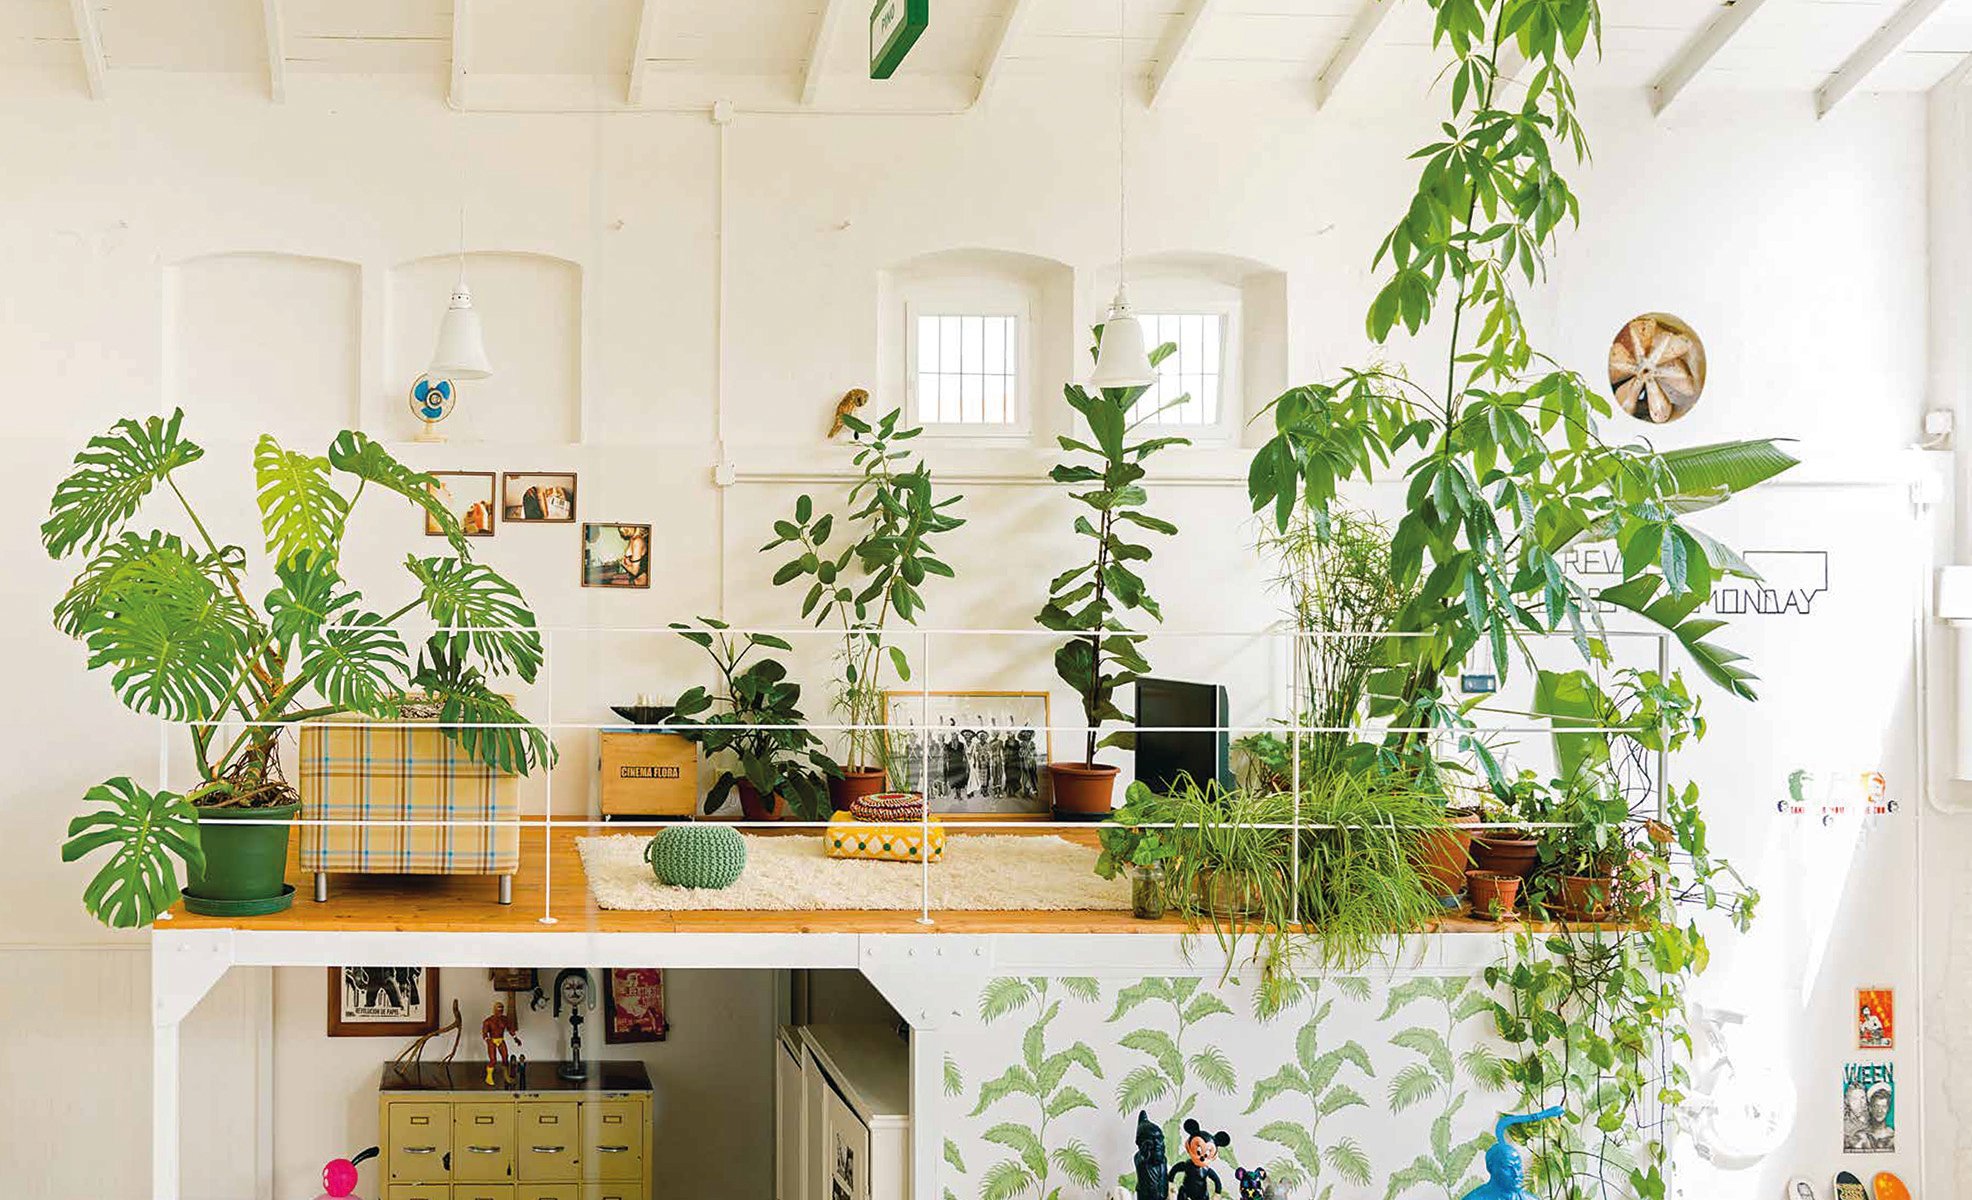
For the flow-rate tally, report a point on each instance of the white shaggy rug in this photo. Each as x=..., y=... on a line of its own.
x=980, y=872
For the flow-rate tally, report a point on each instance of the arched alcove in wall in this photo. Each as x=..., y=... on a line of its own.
x=259, y=342
x=530, y=306
x=1039, y=291
x=1249, y=296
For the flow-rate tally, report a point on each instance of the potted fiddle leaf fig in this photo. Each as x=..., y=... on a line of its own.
x=173, y=619
x=855, y=584
x=1090, y=600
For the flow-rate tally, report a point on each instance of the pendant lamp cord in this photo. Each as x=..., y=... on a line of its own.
x=462, y=241
x=1122, y=153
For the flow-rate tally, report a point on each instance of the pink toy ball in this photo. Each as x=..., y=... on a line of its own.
x=339, y=1177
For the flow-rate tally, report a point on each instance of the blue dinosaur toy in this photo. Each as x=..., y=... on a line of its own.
x=1506, y=1173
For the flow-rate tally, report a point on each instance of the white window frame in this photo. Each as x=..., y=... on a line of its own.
x=1154, y=297
x=983, y=297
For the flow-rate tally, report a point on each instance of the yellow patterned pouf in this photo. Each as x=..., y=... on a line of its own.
x=849, y=838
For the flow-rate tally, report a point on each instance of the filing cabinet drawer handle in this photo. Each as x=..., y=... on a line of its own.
x=548, y=1149
x=420, y=1149
x=614, y=1149
x=483, y=1149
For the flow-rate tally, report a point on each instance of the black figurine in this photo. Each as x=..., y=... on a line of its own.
x=1197, y=1179
x=1253, y=1184
x=574, y=990
x=1153, y=1180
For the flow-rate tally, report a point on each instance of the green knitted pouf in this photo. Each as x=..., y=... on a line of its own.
x=697, y=856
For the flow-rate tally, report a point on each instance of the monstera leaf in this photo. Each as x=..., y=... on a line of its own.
x=308, y=597
x=299, y=508
x=484, y=723
x=358, y=662
x=146, y=830
x=114, y=474
x=357, y=454
x=119, y=564
x=173, y=635
x=476, y=606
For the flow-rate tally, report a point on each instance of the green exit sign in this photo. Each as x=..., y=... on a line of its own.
x=894, y=29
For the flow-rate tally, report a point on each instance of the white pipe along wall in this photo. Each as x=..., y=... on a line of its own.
x=678, y=296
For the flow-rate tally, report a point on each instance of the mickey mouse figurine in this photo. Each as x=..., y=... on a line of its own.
x=1253, y=1184
x=1193, y=1173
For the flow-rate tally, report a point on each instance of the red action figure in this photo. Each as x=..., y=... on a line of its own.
x=494, y=1031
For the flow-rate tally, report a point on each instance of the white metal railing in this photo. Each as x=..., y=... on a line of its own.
x=1293, y=728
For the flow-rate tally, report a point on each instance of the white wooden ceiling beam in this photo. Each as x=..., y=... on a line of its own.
x=461, y=55
x=89, y=39
x=277, y=54
x=1873, y=53
x=641, y=56
x=1180, y=46
x=1697, y=54
x=1011, y=18
x=834, y=13
x=1368, y=19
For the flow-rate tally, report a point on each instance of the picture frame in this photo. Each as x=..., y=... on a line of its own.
x=551, y=496
x=1003, y=778
x=1876, y=1019
x=382, y=1001
x=615, y=554
x=634, y=1005
x=471, y=500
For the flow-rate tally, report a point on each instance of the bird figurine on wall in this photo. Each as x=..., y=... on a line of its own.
x=852, y=400
x=1153, y=1175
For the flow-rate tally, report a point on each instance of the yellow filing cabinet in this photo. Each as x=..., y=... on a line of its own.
x=448, y=1135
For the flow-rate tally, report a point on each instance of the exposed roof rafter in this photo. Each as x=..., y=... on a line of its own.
x=461, y=54
x=1697, y=54
x=834, y=12
x=640, y=58
x=1011, y=18
x=1182, y=43
x=277, y=54
x=1368, y=19
x=89, y=39
x=1872, y=54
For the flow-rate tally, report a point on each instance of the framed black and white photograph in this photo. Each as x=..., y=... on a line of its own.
x=987, y=752
x=537, y=497
x=468, y=496
x=615, y=556
x=382, y=1001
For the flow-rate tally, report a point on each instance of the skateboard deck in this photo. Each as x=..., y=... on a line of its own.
x=1889, y=1187
x=1848, y=1187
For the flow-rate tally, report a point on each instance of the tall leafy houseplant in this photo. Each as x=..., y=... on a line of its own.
x=753, y=719
x=172, y=618
x=875, y=575
x=1091, y=600
x=1507, y=468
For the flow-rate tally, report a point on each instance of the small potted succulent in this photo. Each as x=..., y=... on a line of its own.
x=770, y=759
x=1090, y=600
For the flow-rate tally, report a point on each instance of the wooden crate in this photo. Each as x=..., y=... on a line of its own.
x=648, y=775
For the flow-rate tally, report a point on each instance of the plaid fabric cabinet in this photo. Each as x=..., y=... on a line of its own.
x=352, y=770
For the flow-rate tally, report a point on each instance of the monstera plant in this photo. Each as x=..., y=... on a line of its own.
x=171, y=616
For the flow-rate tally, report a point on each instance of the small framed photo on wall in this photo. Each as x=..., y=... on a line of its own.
x=615, y=556
x=382, y=1001
x=1876, y=1019
x=635, y=1010
x=537, y=497
x=468, y=496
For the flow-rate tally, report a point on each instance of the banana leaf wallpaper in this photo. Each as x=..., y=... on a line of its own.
x=1354, y=1086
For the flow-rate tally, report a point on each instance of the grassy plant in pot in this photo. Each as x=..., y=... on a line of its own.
x=1133, y=841
x=170, y=616
x=874, y=575
x=1092, y=599
x=752, y=728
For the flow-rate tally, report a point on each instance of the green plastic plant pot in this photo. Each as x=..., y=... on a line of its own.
x=245, y=863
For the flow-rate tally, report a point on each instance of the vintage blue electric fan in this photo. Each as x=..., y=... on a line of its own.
x=432, y=400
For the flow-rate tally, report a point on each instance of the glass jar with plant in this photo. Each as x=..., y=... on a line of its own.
x=751, y=726
x=1092, y=599
x=893, y=513
x=171, y=616
x=1132, y=841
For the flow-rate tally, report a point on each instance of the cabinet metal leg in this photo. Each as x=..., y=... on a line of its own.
x=321, y=887
x=506, y=889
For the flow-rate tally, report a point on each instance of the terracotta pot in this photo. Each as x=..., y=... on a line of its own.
x=753, y=808
x=856, y=783
x=1506, y=851
x=1588, y=897
x=1493, y=893
x=1444, y=858
x=1082, y=791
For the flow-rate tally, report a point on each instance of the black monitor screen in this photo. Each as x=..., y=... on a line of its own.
x=1181, y=731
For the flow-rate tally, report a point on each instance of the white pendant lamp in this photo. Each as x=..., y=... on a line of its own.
x=1121, y=359
x=461, y=349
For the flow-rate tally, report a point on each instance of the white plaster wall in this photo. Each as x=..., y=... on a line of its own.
x=1798, y=247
